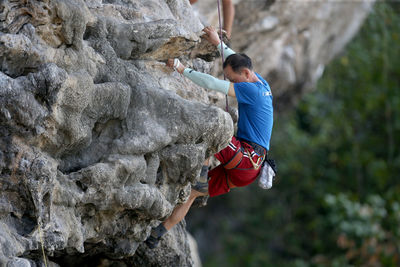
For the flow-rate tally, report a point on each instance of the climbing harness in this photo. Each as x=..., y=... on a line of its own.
x=237, y=158
x=222, y=50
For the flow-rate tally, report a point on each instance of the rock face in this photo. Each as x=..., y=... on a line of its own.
x=99, y=141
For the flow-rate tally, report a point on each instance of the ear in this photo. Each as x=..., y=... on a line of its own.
x=247, y=73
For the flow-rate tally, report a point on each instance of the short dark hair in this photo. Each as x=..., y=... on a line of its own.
x=238, y=62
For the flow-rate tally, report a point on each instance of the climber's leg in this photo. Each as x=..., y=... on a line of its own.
x=198, y=190
x=202, y=181
x=155, y=236
x=177, y=215
x=180, y=211
x=202, y=186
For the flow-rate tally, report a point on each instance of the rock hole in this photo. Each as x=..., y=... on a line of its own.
x=24, y=225
x=81, y=186
x=88, y=32
x=160, y=176
x=269, y=3
x=67, y=170
x=46, y=199
x=199, y=141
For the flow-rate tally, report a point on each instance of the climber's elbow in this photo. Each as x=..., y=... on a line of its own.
x=221, y=86
x=231, y=90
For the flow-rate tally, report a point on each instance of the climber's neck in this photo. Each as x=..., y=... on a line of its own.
x=254, y=77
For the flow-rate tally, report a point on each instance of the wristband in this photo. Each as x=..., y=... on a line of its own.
x=177, y=63
x=227, y=50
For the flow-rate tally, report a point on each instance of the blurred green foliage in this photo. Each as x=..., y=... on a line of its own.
x=336, y=201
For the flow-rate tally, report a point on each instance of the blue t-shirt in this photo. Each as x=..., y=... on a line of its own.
x=255, y=111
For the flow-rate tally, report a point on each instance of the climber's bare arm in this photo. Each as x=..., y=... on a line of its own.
x=211, y=35
x=202, y=79
x=229, y=14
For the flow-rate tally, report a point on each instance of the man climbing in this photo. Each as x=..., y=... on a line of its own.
x=228, y=11
x=242, y=158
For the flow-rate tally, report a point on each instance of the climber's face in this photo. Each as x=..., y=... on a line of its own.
x=244, y=75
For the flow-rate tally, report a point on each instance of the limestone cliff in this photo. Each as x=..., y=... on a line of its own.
x=99, y=140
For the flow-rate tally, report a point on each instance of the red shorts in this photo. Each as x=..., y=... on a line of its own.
x=242, y=175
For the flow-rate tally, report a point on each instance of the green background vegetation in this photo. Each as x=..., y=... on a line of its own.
x=336, y=201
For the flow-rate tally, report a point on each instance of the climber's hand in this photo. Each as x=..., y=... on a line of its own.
x=211, y=35
x=176, y=64
x=170, y=63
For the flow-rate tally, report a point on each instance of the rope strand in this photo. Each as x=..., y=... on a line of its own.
x=222, y=48
x=42, y=243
